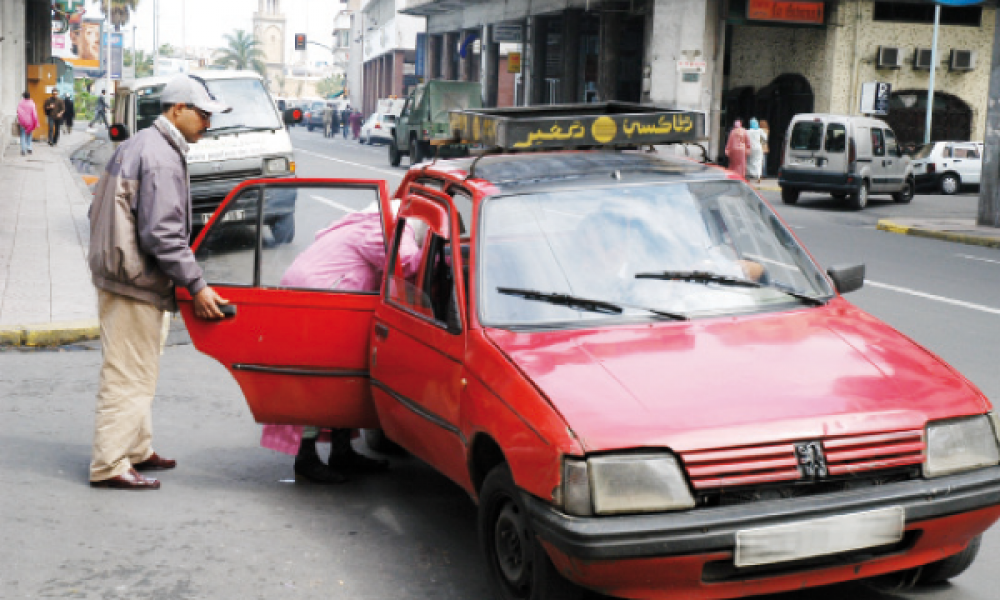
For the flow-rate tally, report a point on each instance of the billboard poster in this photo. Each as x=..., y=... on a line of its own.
x=80, y=46
x=117, y=45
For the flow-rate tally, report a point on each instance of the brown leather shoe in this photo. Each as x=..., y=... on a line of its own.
x=155, y=462
x=129, y=480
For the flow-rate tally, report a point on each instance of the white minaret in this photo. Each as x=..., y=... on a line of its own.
x=269, y=29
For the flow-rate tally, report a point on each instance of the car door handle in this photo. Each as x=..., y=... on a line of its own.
x=228, y=310
x=381, y=331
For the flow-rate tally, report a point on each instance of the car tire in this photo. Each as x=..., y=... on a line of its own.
x=377, y=440
x=950, y=183
x=789, y=195
x=951, y=567
x=416, y=152
x=906, y=194
x=859, y=199
x=394, y=158
x=517, y=563
x=283, y=229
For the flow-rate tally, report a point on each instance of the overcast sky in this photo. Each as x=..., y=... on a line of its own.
x=208, y=20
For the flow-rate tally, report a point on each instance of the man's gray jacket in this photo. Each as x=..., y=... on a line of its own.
x=140, y=221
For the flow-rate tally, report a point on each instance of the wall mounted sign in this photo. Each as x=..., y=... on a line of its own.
x=806, y=13
x=507, y=32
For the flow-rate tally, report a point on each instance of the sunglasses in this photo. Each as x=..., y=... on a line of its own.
x=204, y=115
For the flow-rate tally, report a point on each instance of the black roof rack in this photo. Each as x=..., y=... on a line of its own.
x=573, y=126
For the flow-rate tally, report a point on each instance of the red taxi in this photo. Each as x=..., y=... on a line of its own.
x=633, y=367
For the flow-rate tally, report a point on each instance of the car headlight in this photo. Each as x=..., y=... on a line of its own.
x=961, y=444
x=627, y=483
x=275, y=166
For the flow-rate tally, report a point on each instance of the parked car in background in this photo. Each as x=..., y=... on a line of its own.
x=377, y=129
x=313, y=115
x=947, y=166
x=847, y=157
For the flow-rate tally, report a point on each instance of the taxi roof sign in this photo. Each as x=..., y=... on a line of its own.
x=570, y=126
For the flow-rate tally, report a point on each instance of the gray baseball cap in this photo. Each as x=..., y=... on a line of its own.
x=189, y=89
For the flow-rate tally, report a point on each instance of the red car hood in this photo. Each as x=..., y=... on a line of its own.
x=716, y=383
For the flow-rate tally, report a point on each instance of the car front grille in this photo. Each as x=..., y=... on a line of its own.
x=734, y=475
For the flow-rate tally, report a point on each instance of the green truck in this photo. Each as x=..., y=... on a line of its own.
x=425, y=118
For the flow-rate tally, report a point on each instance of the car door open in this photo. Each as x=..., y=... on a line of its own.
x=298, y=335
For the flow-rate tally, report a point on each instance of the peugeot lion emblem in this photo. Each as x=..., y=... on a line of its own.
x=812, y=460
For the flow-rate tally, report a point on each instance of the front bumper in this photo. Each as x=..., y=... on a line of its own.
x=711, y=530
x=816, y=180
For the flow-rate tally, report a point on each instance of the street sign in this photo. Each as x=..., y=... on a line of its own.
x=875, y=98
x=421, y=56
x=514, y=62
x=507, y=32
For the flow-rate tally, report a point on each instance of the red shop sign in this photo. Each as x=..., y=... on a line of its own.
x=789, y=12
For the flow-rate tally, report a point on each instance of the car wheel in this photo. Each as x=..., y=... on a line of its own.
x=393, y=154
x=416, y=152
x=950, y=183
x=859, y=199
x=283, y=229
x=906, y=194
x=951, y=567
x=789, y=195
x=518, y=565
x=379, y=442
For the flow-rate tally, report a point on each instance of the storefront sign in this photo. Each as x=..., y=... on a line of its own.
x=875, y=98
x=514, y=62
x=507, y=32
x=807, y=13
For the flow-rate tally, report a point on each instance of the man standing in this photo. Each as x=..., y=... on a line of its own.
x=70, y=113
x=345, y=117
x=99, y=111
x=54, y=109
x=140, y=224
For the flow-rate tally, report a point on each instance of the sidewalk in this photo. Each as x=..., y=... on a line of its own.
x=46, y=297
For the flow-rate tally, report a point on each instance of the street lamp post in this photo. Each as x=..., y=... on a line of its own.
x=930, y=84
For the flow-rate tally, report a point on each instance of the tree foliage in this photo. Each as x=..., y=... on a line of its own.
x=330, y=85
x=242, y=51
x=143, y=62
x=120, y=11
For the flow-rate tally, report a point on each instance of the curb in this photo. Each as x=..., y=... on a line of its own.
x=50, y=334
x=960, y=238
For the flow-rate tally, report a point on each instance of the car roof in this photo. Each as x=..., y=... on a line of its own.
x=208, y=75
x=537, y=171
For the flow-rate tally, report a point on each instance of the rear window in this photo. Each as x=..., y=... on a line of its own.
x=807, y=136
x=924, y=151
x=836, y=137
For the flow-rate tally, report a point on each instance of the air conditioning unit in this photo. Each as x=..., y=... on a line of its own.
x=962, y=60
x=922, y=58
x=889, y=57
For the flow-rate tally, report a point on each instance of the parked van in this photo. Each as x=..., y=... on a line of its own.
x=248, y=143
x=848, y=157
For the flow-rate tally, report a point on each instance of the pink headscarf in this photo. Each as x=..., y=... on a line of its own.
x=738, y=124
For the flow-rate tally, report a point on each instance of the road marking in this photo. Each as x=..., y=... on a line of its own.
x=970, y=257
x=347, y=162
x=329, y=202
x=952, y=301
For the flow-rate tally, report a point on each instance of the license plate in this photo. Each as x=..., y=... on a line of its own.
x=804, y=161
x=819, y=537
x=233, y=215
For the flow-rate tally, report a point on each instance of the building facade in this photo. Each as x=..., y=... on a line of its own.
x=388, y=40
x=25, y=39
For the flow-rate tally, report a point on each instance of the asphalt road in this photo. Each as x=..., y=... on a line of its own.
x=231, y=523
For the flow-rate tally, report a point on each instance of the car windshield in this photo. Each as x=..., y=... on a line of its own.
x=592, y=243
x=252, y=107
x=924, y=151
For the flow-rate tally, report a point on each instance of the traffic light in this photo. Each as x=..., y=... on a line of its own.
x=300, y=41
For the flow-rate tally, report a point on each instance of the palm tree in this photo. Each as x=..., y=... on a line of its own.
x=120, y=11
x=242, y=51
x=143, y=62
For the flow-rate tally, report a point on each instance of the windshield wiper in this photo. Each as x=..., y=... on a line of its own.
x=580, y=303
x=708, y=277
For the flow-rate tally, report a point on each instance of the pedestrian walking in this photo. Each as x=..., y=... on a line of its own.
x=356, y=122
x=334, y=122
x=328, y=120
x=345, y=119
x=54, y=109
x=737, y=149
x=140, y=224
x=27, y=120
x=755, y=161
x=100, y=111
x=70, y=113
x=765, y=146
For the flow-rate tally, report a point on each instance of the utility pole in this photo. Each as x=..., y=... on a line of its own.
x=930, y=85
x=989, y=191
x=156, y=37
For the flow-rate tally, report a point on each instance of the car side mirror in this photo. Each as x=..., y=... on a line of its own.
x=847, y=278
x=118, y=132
x=292, y=116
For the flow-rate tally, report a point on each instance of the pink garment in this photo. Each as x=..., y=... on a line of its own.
x=737, y=149
x=27, y=115
x=347, y=255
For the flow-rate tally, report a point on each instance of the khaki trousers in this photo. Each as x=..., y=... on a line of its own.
x=131, y=334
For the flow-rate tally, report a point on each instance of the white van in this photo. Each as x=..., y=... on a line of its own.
x=248, y=143
x=847, y=157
